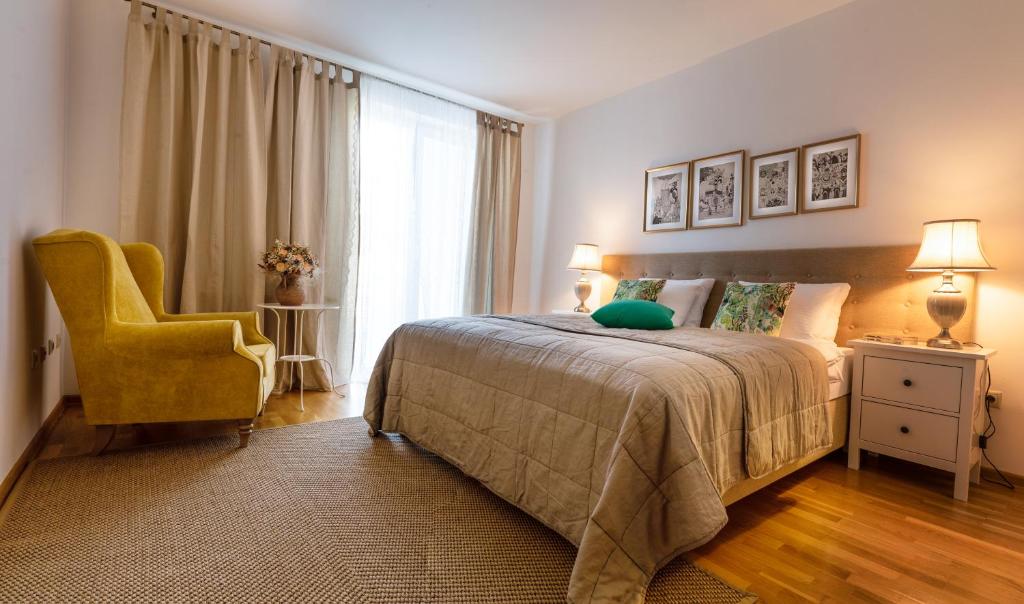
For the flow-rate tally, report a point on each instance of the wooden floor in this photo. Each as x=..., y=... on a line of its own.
x=889, y=533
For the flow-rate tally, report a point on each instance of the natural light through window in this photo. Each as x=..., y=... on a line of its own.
x=416, y=158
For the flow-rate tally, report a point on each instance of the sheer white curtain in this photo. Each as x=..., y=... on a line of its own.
x=417, y=156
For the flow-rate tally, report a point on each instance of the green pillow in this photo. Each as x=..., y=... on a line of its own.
x=638, y=289
x=634, y=314
x=754, y=307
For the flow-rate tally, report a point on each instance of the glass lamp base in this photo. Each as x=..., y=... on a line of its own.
x=946, y=306
x=582, y=289
x=944, y=340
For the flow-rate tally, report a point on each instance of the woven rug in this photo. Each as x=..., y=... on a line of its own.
x=311, y=513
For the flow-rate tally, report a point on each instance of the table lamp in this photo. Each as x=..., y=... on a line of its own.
x=948, y=246
x=585, y=257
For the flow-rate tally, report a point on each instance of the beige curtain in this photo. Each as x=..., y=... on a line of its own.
x=156, y=139
x=496, y=185
x=216, y=164
x=193, y=166
x=308, y=198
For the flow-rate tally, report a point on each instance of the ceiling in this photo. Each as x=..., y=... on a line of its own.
x=538, y=57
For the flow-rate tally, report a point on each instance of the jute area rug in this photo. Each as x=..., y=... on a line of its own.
x=311, y=513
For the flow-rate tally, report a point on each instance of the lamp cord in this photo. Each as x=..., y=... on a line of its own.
x=990, y=429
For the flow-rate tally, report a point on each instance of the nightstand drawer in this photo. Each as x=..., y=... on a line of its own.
x=924, y=384
x=917, y=431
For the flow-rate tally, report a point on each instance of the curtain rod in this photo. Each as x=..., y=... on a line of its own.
x=355, y=72
x=169, y=11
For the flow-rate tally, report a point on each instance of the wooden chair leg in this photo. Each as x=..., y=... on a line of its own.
x=102, y=439
x=244, y=431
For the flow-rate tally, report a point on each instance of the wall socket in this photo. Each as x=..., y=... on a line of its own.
x=39, y=354
x=995, y=398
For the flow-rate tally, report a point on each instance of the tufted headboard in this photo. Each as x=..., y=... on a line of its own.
x=883, y=295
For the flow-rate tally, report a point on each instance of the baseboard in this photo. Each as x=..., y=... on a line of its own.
x=990, y=473
x=35, y=445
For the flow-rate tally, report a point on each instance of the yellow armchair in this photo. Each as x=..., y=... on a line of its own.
x=137, y=363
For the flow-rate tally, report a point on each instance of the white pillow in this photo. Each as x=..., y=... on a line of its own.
x=687, y=297
x=813, y=311
x=680, y=297
x=833, y=354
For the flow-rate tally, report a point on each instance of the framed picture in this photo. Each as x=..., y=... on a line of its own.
x=774, y=180
x=716, y=192
x=666, y=189
x=830, y=171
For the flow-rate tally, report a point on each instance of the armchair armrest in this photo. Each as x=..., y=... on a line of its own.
x=249, y=321
x=177, y=340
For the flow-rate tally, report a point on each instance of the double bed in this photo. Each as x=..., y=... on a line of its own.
x=628, y=443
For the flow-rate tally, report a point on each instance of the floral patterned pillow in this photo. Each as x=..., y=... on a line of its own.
x=754, y=308
x=639, y=289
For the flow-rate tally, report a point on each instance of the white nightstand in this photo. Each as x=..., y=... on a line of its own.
x=920, y=404
x=570, y=312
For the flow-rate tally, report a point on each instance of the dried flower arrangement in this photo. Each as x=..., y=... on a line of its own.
x=292, y=262
x=290, y=259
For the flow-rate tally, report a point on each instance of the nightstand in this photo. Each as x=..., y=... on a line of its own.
x=570, y=312
x=920, y=404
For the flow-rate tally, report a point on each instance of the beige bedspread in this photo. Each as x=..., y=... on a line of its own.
x=620, y=440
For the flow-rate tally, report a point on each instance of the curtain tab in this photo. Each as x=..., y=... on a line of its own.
x=495, y=122
x=178, y=25
x=136, y=9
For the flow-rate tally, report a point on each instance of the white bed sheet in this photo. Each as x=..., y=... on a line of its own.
x=840, y=374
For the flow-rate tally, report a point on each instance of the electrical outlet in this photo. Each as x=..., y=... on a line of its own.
x=995, y=398
x=38, y=356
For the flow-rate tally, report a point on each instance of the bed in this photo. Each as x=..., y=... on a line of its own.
x=631, y=444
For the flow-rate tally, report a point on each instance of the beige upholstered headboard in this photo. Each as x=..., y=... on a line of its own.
x=883, y=295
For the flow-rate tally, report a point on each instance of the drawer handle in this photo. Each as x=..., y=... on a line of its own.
x=904, y=429
x=908, y=383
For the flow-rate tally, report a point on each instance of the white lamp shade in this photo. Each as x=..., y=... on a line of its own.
x=585, y=258
x=951, y=245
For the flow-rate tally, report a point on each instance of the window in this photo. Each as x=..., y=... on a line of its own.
x=417, y=156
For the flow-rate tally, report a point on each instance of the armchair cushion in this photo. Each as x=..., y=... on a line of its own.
x=251, y=334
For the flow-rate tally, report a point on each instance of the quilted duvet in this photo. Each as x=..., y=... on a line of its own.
x=619, y=440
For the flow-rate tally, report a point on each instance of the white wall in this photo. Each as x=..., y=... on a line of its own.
x=32, y=36
x=95, y=77
x=533, y=205
x=936, y=87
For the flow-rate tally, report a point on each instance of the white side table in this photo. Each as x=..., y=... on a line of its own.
x=296, y=357
x=920, y=404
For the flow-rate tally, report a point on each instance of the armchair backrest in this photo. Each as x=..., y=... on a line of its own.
x=147, y=266
x=91, y=282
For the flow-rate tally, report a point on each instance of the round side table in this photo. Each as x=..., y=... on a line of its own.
x=296, y=357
